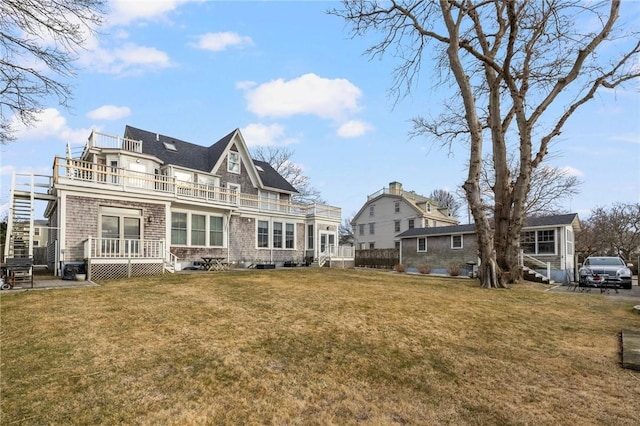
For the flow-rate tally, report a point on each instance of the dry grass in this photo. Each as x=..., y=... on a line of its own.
x=309, y=346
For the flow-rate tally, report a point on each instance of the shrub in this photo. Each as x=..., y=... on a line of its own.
x=400, y=267
x=424, y=269
x=453, y=270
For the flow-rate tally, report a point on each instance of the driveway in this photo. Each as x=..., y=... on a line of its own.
x=631, y=295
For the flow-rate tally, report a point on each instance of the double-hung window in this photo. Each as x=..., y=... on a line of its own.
x=422, y=244
x=277, y=235
x=215, y=231
x=178, y=228
x=263, y=234
x=289, y=236
x=456, y=241
x=198, y=230
x=233, y=162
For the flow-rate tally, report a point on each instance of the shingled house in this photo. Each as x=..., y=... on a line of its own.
x=546, y=244
x=145, y=202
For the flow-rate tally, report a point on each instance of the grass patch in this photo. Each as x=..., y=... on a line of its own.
x=313, y=346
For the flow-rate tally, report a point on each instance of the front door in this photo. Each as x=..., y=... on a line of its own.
x=327, y=242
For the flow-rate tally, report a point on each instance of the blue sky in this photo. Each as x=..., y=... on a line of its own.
x=288, y=74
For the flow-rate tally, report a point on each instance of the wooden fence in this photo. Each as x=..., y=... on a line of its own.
x=377, y=258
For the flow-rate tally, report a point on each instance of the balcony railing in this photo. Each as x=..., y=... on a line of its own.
x=123, y=248
x=132, y=181
x=101, y=140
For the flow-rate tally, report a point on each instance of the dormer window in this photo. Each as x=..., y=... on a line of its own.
x=169, y=146
x=233, y=162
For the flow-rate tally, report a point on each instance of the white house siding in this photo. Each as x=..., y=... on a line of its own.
x=384, y=217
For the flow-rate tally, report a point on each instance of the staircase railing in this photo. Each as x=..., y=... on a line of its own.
x=531, y=259
x=171, y=259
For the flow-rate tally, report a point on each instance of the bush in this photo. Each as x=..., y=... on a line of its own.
x=400, y=267
x=424, y=269
x=454, y=270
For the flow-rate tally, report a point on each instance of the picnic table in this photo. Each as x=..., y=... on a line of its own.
x=213, y=263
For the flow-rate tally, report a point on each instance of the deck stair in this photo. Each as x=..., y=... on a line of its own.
x=25, y=190
x=529, y=274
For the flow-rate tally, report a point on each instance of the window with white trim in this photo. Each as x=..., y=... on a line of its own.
x=178, y=228
x=456, y=241
x=269, y=200
x=372, y=228
x=422, y=244
x=233, y=162
x=263, y=234
x=277, y=234
x=216, y=231
x=361, y=229
x=289, y=236
x=198, y=230
x=310, y=237
x=396, y=206
x=538, y=242
x=396, y=226
x=569, y=241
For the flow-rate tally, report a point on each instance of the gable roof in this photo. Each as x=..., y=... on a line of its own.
x=201, y=158
x=569, y=219
x=271, y=178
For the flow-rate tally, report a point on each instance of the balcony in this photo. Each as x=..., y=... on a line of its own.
x=101, y=140
x=121, y=248
x=99, y=176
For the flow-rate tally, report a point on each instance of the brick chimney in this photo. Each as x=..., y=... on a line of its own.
x=395, y=188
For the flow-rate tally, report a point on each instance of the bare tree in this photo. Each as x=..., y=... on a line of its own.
x=40, y=38
x=617, y=229
x=550, y=187
x=588, y=242
x=345, y=231
x=280, y=159
x=447, y=200
x=520, y=70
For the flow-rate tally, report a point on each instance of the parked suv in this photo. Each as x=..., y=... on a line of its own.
x=601, y=271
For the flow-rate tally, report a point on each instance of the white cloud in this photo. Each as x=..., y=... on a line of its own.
x=354, y=129
x=628, y=138
x=50, y=124
x=109, y=112
x=218, y=42
x=128, y=59
x=257, y=134
x=126, y=11
x=308, y=94
x=245, y=85
x=571, y=171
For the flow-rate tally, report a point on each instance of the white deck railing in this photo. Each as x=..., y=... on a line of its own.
x=523, y=256
x=84, y=171
x=101, y=140
x=123, y=248
x=345, y=252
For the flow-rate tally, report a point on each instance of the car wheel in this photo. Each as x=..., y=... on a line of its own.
x=627, y=286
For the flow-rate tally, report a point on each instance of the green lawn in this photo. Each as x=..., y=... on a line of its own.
x=313, y=346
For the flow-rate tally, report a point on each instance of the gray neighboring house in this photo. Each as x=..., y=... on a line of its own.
x=392, y=210
x=546, y=243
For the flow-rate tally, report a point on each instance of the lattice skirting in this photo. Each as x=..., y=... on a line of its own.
x=105, y=272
